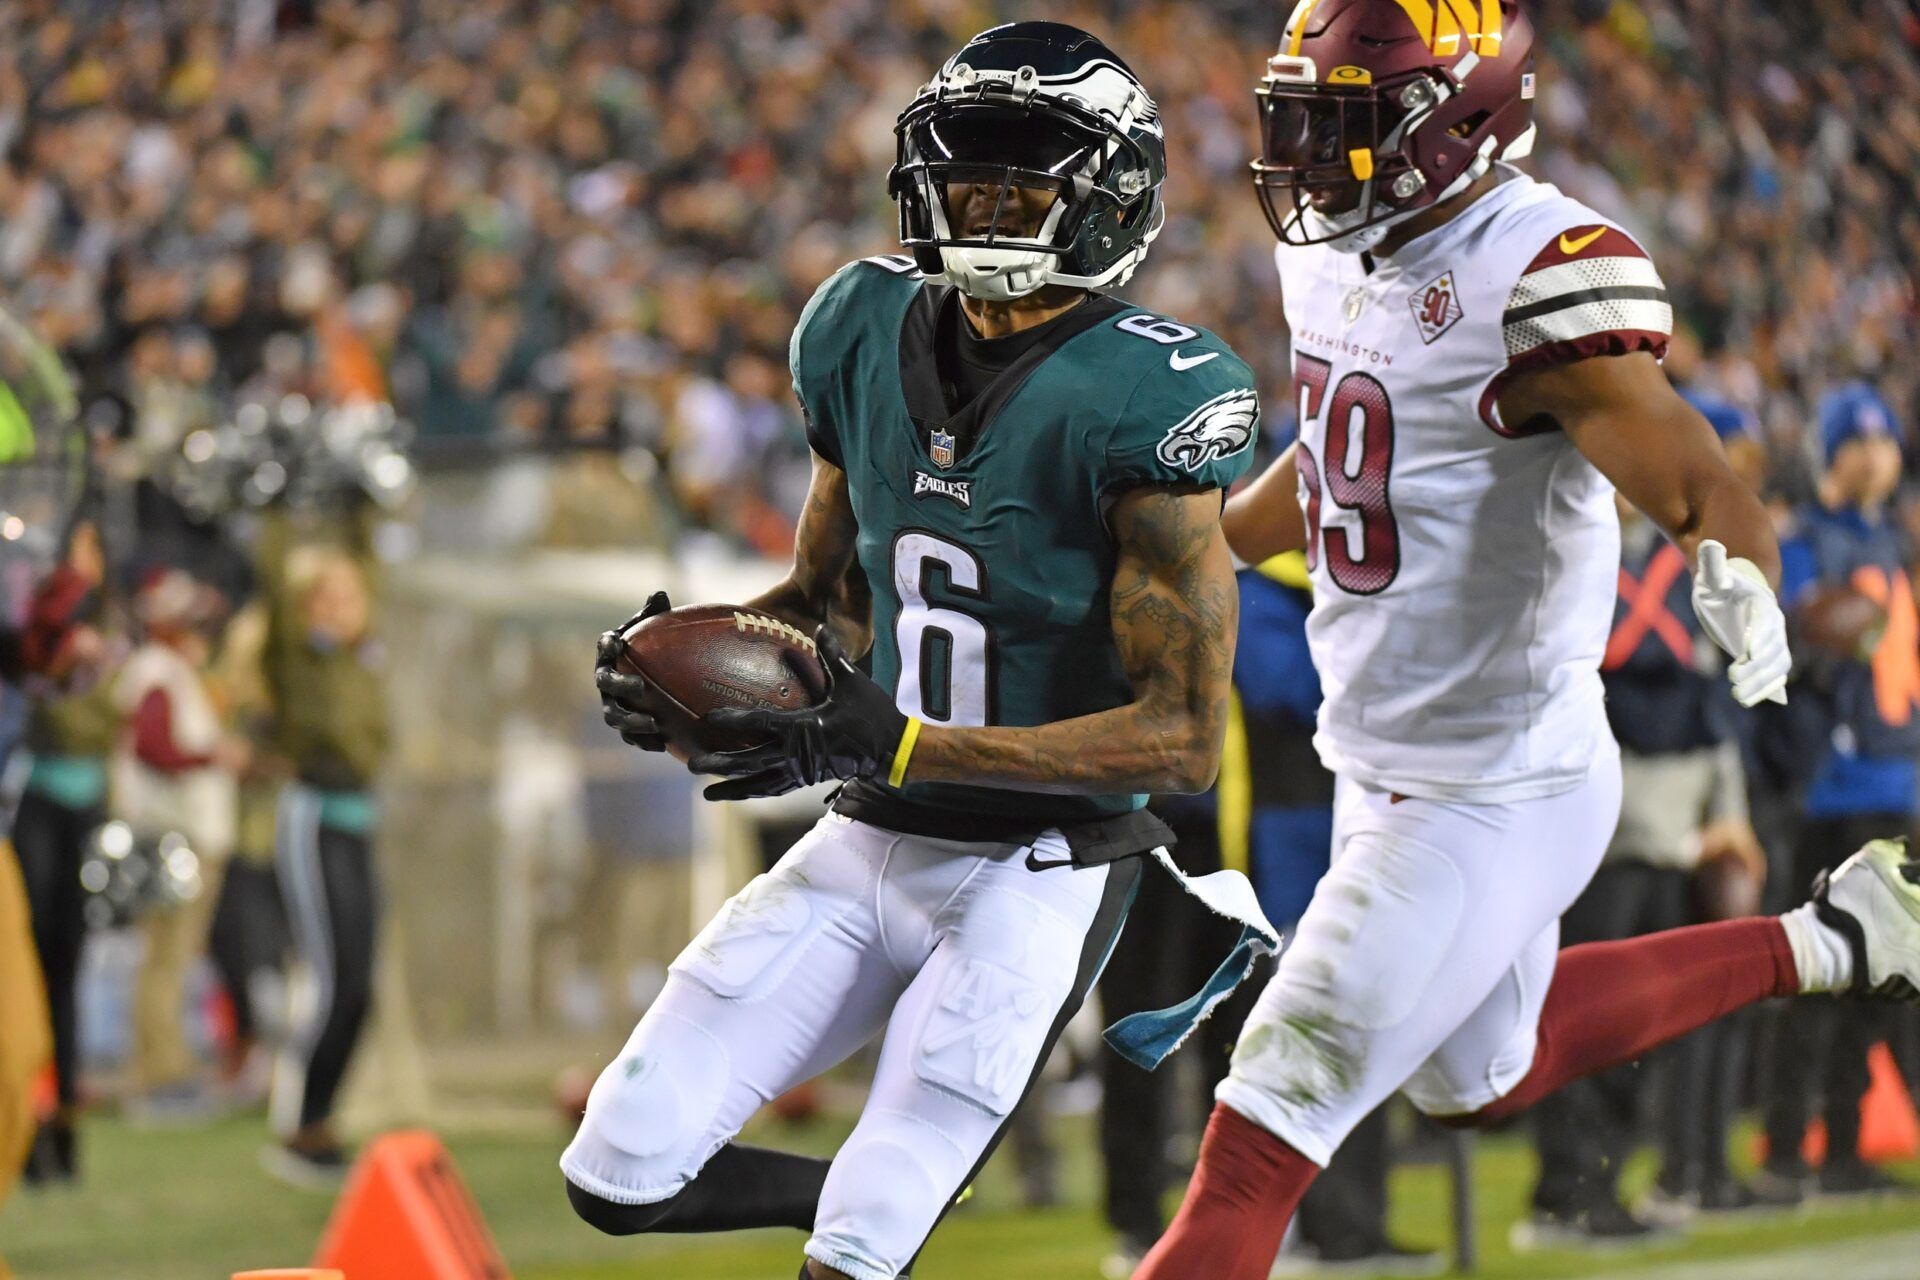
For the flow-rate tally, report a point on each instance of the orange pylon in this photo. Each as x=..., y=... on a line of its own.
x=405, y=1214
x=1889, y=1123
x=1889, y=1127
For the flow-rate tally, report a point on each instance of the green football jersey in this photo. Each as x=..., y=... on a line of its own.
x=982, y=532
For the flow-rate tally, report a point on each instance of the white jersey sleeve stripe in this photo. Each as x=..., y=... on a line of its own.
x=1582, y=319
x=1580, y=275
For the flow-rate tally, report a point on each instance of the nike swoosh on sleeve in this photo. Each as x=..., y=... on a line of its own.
x=1182, y=363
x=1574, y=246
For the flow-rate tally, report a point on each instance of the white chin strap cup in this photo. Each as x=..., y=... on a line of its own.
x=995, y=275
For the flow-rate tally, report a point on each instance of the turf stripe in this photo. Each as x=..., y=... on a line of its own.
x=1888, y=1257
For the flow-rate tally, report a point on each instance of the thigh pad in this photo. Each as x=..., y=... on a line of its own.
x=763, y=931
x=1000, y=978
x=1377, y=931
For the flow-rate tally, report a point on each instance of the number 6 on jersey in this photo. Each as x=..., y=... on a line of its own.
x=943, y=652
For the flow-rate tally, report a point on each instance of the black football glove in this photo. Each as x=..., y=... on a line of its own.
x=620, y=692
x=851, y=733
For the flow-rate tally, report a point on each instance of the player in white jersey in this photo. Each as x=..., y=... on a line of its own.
x=1464, y=567
x=1475, y=371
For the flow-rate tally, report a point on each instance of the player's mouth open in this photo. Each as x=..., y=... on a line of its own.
x=1336, y=199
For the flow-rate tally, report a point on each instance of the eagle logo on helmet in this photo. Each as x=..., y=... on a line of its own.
x=1036, y=106
x=1221, y=427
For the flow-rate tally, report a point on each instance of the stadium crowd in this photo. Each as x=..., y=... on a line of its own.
x=599, y=222
x=594, y=225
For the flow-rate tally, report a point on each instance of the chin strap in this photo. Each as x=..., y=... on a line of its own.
x=1367, y=237
x=994, y=275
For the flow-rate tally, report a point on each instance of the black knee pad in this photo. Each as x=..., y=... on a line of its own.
x=617, y=1219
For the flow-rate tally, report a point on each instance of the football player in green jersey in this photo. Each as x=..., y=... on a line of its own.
x=1015, y=510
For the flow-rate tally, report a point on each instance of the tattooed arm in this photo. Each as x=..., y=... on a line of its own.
x=1175, y=610
x=825, y=583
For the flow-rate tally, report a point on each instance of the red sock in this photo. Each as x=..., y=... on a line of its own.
x=1611, y=1002
x=1242, y=1197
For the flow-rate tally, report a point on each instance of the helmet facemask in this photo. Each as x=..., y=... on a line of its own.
x=1337, y=163
x=1002, y=133
x=1334, y=166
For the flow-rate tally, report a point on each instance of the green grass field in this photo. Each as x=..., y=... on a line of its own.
x=192, y=1205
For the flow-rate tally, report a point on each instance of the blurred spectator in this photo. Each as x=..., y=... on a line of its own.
x=323, y=666
x=172, y=771
x=1684, y=810
x=69, y=734
x=58, y=637
x=1844, y=583
x=249, y=934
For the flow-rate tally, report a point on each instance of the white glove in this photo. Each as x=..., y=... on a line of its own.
x=1738, y=610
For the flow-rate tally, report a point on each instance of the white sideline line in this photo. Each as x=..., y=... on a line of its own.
x=1888, y=1257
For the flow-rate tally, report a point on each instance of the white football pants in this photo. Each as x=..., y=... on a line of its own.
x=1422, y=961
x=972, y=957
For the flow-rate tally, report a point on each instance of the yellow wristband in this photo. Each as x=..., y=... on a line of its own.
x=904, y=752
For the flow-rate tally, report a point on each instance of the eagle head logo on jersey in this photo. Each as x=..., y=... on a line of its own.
x=1220, y=427
x=1373, y=110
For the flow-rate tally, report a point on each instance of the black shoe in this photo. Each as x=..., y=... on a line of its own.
x=1377, y=1258
x=1781, y=1185
x=1730, y=1196
x=1845, y=1178
x=52, y=1158
x=310, y=1168
x=1607, y=1225
x=1611, y=1222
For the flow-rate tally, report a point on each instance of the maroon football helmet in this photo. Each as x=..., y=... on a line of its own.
x=1373, y=110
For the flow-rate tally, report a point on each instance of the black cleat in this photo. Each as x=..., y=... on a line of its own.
x=53, y=1157
x=1854, y=1178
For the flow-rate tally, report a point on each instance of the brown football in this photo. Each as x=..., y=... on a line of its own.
x=707, y=656
x=1842, y=621
x=1725, y=888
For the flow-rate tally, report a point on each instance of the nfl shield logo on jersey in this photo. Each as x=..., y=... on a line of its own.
x=1354, y=303
x=941, y=448
x=1436, y=307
